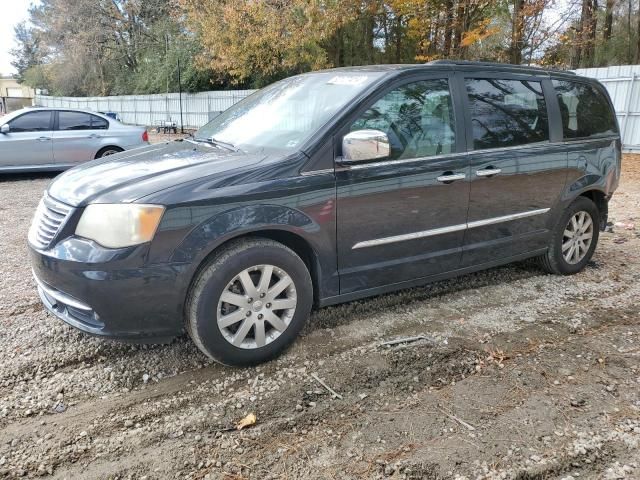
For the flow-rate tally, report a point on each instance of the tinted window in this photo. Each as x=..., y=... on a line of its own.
x=74, y=121
x=31, y=122
x=98, y=123
x=585, y=111
x=505, y=113
x=417, y=118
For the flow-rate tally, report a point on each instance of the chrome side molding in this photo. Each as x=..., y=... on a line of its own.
x=453, y=228
x=410, y=236
x=506, y=218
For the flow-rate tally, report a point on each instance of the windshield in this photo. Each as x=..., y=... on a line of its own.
x=284, y=115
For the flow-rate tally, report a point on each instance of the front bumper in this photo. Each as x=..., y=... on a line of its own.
x=111, y=293
x=72, y=311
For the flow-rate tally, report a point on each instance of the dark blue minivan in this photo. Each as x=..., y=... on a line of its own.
x=324, y=188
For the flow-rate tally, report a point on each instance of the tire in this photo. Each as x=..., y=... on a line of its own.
x=205, y=306
x=106, y=151
x=555, y=261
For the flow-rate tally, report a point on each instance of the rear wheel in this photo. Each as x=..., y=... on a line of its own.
x=106, y=151
x=248, y=304
x=574, y=239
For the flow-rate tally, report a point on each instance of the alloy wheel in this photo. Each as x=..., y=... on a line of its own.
x=577, y=237
x=256, y=306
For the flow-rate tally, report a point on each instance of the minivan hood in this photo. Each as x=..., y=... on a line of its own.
x=128, y=176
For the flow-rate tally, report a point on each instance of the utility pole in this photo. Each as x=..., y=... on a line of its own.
x=180, y=97
x=166, y=65
x=166, y=57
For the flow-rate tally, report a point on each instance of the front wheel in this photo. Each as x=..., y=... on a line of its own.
x=249, y=302
x=574, y=239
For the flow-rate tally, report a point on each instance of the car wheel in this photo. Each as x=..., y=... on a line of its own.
x=105, y=152
x=249, y=302
x=574, y=239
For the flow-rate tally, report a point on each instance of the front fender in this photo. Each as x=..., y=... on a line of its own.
x=211, y=226
x=220, y=228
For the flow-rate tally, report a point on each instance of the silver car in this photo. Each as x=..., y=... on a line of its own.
x=57, y=139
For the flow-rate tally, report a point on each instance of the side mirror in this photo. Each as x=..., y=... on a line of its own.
x=5, y=128
x=363, y=145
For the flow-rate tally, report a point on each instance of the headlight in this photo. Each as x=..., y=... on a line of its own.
x=119, y=225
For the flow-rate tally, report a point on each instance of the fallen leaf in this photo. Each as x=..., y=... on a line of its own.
x=625, y=225
x=246, y=421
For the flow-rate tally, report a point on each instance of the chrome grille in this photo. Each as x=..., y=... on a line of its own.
x=47, y=221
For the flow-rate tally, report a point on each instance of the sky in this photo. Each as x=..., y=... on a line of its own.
x=13, y=12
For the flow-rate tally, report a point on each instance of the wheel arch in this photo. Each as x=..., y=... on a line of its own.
x=310, y=236
x=108, y=147
x=297, y=243
x=599, y=198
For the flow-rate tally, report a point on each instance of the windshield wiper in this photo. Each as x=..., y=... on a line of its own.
x=219, y=143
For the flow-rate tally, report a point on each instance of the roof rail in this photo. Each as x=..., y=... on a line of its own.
x=495, y=64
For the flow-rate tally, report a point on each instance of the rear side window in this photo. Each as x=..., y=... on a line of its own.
x=98, y=123
x=31, y=122
x=506, y=113
x=74, y=121
x=417, y=118
x=584, y=110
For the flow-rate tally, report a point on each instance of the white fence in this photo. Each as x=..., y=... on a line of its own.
x=623, y=84
x=197, y=108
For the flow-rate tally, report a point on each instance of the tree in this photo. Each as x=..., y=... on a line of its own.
x=638, y=35
x=28, y=53
x=589, y=25
x=599, y=34
x=257, y=42
x=517, y=32
x=99, y=47
x=608, y=20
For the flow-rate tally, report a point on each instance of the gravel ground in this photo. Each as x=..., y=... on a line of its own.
x=518, y=374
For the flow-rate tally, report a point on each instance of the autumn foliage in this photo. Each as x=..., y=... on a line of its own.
x=134, y=46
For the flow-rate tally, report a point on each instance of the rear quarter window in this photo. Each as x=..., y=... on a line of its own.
x=98, y=123
x=584, y=109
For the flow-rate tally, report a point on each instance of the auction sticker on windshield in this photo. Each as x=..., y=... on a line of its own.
x=354, y=80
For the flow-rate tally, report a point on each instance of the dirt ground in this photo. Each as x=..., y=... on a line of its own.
x=518, y=375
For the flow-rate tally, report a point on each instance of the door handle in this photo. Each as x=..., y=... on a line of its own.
x=94, y=135
x=44, y=139
x=449, y=177
x=488, y=172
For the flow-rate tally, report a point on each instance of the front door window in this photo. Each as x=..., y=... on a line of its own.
x=417, y=118
x=39, y=121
